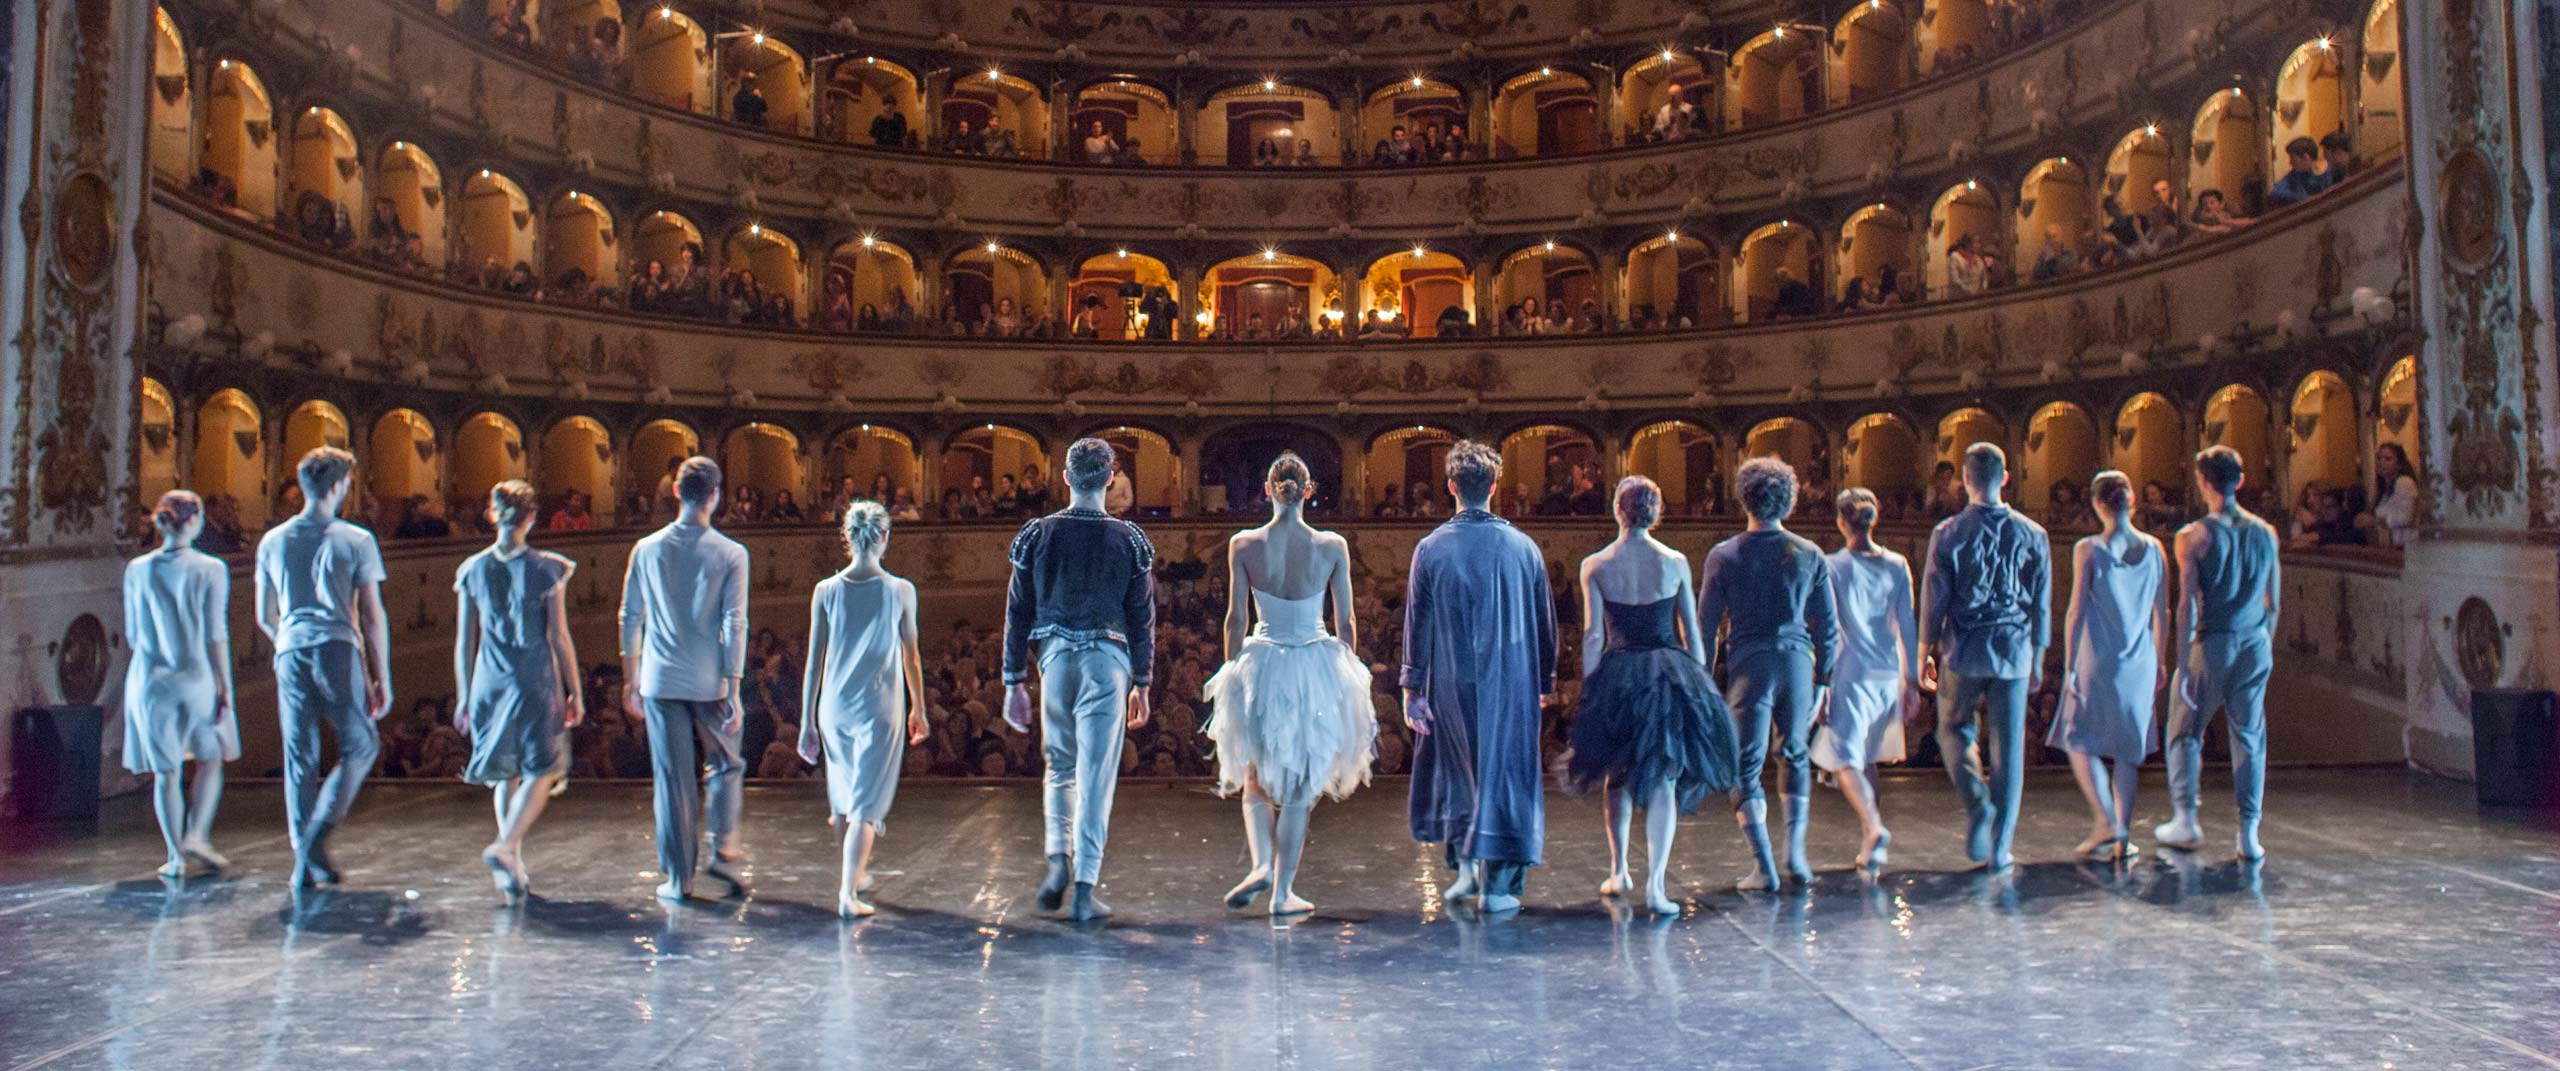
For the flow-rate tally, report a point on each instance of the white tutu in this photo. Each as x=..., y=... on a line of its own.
x=1292, y=710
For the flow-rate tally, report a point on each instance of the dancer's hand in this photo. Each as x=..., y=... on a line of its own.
x=1911, y=703
x=1929, y=673
x=462, y=716
x=1139, y=709
x=917, y=730
x=1822, y=705
x=1017, y=708
x=631, y=698
x=1417, y=715
x=576, y=705
x=2165, y=677
x=810, y=751
x=377, y=698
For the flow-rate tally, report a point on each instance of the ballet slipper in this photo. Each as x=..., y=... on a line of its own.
x=201, y=850
x=175, y=868
x=1658, y=903
x=673, y=892
x=1464, y=888
x=1617, y=885
x=2250, y=849
x=2181, y=831
x=1872, y=853
x=1252, y=886
x=499, y=872
x=1087, y=908
x=853, y=907
x=1497, y=903
x=1290, y=904
x=1053, y=886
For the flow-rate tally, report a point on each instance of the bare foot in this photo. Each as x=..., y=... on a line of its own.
x=175, y=868
x=1617, y=885
x=1252, y=886
x=1464, y=888
x=853, y=907
x=1290, y=904
x=1658, y=903
x=201, y=850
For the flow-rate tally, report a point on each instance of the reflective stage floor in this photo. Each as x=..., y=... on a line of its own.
x=2394, y=927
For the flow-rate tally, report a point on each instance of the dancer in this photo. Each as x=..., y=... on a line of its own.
x=1986, y=617
x=1084, y=591
x=862, y=699
x=177, y=685
x=1876, y=683
x=1650, y=728
x=516, y=671
x=1771, y=591
x=319, y=594
x=2228, y=577
x=2114, y=668
x=1292, y=716
x=1479, y=658
x=684, y=646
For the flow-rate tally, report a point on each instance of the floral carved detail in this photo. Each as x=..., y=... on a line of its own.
x=1345, y=28
x=1473, y=19
x=827, y=371
x=1192, y=27
x=826, y=179
x=1063, y=21
x=1717, y=364
x=1351, y=374
x=1066, y=376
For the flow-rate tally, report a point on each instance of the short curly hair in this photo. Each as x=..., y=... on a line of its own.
x=1767, y=487
x=1090, y=463
x=1638, y=502
x=1473, y=469
x=865, y=526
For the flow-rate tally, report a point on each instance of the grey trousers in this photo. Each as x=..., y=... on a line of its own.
x=1502, y=877
x=2004, y=717
x=1772, y=688
x=2226, y=672
x=1084, y=704
x=693, y=739
x=316, y=685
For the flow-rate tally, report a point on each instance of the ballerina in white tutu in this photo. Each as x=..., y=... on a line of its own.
x=1290, y=709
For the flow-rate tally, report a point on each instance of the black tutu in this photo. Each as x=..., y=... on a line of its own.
x=1650, y=714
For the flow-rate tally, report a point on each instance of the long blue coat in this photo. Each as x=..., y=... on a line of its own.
x=1480, y=646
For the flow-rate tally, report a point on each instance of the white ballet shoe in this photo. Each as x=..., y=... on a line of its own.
x=2250, y=849
x=2180, y=832
x=1657, y=902
x=201, y=851
x=672, y=892
x=175, y=868
x=1464, y=888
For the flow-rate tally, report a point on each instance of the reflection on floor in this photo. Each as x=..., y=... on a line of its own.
x=2395, y=926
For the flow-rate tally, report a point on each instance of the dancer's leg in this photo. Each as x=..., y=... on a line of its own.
x=1058, y=684
x=858, y=838
x=198, y=840
x=2183, y=750
x=1258, y=819
x=1859, y=788
x=2245, y=718
x=2098, y=789
x=718, y=726
x=1794, y=714
x=1102, y=704
x=2005, y=716
x=169, y=803
x=359, y=742
x=2127, y=778
x=1957, y=733
x=1617, y=802
x=529, y=796
x=1752, y=694
x=675, y=798
x=1661, y=824
x=1288, y=843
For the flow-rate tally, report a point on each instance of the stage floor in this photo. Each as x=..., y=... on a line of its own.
x=2394, y=926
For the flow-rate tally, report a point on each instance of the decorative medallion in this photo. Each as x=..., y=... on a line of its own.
x=80, y=660
x=84, y=240
x=2467, y=209
x=2479, y=644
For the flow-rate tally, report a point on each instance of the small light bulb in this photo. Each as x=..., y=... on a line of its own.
x=1270, y=84
x=866, y=241
x=1124, y=254
x=1417, y=79
x=991, y=247
x=1551, y=245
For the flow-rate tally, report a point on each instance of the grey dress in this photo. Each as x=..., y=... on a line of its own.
x=862, y=707
x=516, y=714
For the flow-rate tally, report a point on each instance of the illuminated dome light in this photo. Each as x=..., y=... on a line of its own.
x=1417, y=79
x=1269, y=253
x=1551, y=245
x=1970, y=184
x=1269, y=84
x=1386, y=312
x=2323, y=43
x=1546, y=72
x=666, y=13
x=1671, y=236
x=1124, y=254
x=1669, y=55
x=870, y=61
x=756, y=38
x=991, y=247
x=1205, y=318
x=1418, y=252
x=1779, y=34
x=868, y=241
x=994, y=74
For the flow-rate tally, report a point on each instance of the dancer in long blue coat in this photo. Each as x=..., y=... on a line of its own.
x=1479, y=655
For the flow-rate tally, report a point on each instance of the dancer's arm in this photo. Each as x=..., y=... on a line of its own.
x=1933, y=609
x=1415, y=676
x=2161, y=636
x=1346, y=623
x=217, y=620
x=269, y=615
x=2076, y=617
x=1906, y=629
x=813, y=678
x=1684, y=606
x=1595, y=622
x=377, y=642
x=733, y=619
x=564, y=650
x=466, y=628
x=2190, y=546
x=632, y=616
x=2275, y=576
x=1543, y=629
x=918, y=724
x=1822, y=622
x=2040, y=612
x=1239, y=598
x=1711, y=606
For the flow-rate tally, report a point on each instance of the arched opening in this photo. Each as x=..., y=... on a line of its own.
x=1233, y=462
x=994, y=290
x=659, y=240
x=578, y=244
x=876, y=463
x=231, y=457
x=1774, y=276
x=778, y=77
x=972, y=459
x=2224, y=155
x=1414, y=106
x=1777, y=76
x=1875, y=247
x=325, y=178
x=995, y=114
x=1671, y=282
x=402, y=461
x=1407, y=465
x=1959, y=430
x=1125, y=122
x=1651, y=96
x=238, y=167
x=2062, y=449
x=1154, y=470
x=497, y=225
x=762, y=460
x=172, y=103
x=671, y=61
x=1681, y=457
x=2238, y=417
x=1869, y=50
x=155, y=443
x=2324, y=444
x=577, y=459
x=2151, y=450
x=871, y=285
x=770, y=268
x=1542, y=280
x=487, y=448
x=656, y=449
x=1555, y=470
x=2053, y=209
x=2136, y=165
x=2395, y=415
x=1954, y=34
x=2311, y=98
x=1268, y=123
x=1963, y=212
x=1546, y=112
x=1103, y=289
x=1882, y=454
x=871, y=101
x=2381, y=97
x=310, y=426
x=415, y=191
x=1421, y=287
x=1269, y=295
x=571, y=24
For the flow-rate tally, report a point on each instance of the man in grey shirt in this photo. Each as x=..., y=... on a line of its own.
x=2228, y=579
x=1770, y=590
x=319, y=586
x=684, y=646
x=1986, y=616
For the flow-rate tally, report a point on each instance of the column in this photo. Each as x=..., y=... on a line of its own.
x=1186, y=114
x=1608, y=266
x=1187, y=278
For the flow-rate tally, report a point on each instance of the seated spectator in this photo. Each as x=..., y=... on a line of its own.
x=2160, y=514
x=508, y=26
x=2064, y=509
x=889, y=128
x=598, y=58
x=2302, y=178
x=218, y=188
x=391, y=242
x=997, y=139
x=1967, y=271
x=785, y=509
x=2337, y=157
x=1100, y=147
x=1266, y=153
x=904, y=509
x=748, y=106
x=1794, y=298
x=573, y=514
x=223, y=532
x=2161, y=232
x=1390, y=504
x=2213, y=215
x=1380, y=155
x=2056, y=258
x=1401, y=148
x=1452, y=323
x=958, y=139
x=2330, y=523
x=421, y=518
x=1306, y=155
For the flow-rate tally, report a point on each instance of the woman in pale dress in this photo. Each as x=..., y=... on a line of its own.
x=516, y=672
x=1649, y=727
x=2114, y=666
x=862, y=698
x=177, y=685
x=1875, y=682
x=1291, y=712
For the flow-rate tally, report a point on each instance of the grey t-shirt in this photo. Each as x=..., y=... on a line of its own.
x=312, y=568
x=684, y=610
